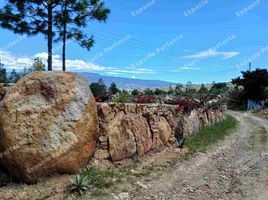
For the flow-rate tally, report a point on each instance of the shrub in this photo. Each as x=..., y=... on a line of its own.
x=187, y=105
x=80, y=184
x=122, y=98
x=146, y=99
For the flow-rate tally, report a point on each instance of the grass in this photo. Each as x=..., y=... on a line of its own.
x=210, y=135
x=101, y=178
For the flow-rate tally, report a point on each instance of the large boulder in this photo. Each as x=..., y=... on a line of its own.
x=48, y=124
x=2, y=92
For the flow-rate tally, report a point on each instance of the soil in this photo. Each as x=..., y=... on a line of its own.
x=234, y=168
x=263, y=113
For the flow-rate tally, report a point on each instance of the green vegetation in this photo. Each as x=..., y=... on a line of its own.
x=100, y=178
x=210, y=135
x=98, y=88
x=80, y=184
x=38, y=65
x=253, y=84
x=122, y=98
x=14, y=76
x=113, y=89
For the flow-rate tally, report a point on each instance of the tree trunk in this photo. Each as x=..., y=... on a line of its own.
x=49, y=36
x=64, y=44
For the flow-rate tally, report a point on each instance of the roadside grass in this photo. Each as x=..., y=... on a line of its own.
x=101, y=178
x=210, y=135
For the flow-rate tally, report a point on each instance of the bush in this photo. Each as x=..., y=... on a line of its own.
x=122, y=98
x=146, y=99
x=186, y=105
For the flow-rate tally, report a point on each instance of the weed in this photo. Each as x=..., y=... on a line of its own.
x=210, y=135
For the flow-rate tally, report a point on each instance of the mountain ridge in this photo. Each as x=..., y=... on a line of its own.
x=126, y=83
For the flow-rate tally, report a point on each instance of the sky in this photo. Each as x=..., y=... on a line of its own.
x=172, y=40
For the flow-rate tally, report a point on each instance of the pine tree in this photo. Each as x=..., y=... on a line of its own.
x=31, y=17
x=74, y=16
x=113, y=89
x=3, y=73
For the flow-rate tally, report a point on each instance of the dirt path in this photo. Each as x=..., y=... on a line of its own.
x=236, y=168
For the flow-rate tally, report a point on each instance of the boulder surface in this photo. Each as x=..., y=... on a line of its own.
x=2, y=92
x=48, y=124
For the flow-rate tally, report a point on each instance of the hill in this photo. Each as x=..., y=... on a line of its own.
x=126, y=83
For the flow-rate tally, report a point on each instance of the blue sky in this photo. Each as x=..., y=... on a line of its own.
x=188, y=40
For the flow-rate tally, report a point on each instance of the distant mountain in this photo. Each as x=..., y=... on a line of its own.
x=126, y=83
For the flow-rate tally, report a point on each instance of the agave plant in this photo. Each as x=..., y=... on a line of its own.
x=80, y=184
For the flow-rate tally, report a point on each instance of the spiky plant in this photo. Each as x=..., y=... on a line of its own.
x=80, y=184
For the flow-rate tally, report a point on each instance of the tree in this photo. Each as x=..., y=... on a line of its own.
x=178, y=89
x=14, y=76
x=219, y=89
x=170, y=90
x=73, y=16
x=135, y=92
x=159, y=92
x=113, y=89
x=98, y=89
x=203, y=89
x=148, y=92
x=253, y=83
x=31, y=17
x=38, y=65
x=3, y=73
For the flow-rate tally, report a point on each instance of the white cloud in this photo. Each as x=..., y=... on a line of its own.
x=183, y=69
x=212, y=53
x=13, y=61
x=189, y=68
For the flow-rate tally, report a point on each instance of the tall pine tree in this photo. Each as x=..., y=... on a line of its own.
x=31, y=17
x=74, y=16
x=34, y=17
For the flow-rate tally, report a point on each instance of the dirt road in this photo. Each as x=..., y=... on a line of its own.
x=236, y=168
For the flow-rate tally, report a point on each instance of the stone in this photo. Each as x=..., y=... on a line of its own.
x=105, y=112
x=101, y=154
x=123, y=196
x=164, y=130
x=131, y=108
x=2, y=92
x=121, y=138
x=191, y=123
x=142, y=134
x=128, y=135
x=142, y=185
x=103, y=138
x=51, y=120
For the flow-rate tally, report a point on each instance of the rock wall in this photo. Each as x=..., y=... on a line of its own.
x=126, y=130
x=50, y=123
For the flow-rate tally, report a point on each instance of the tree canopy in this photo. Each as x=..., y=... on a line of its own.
x=34, y=17
x=254, y=84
